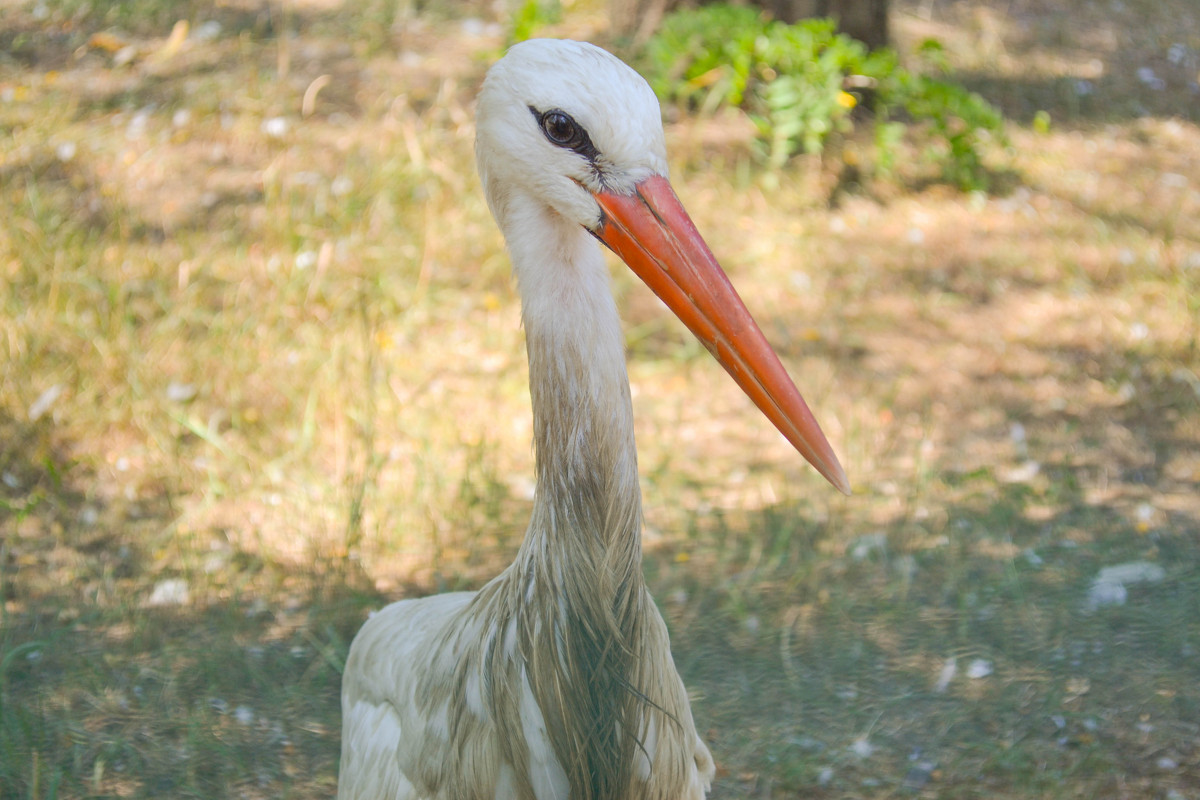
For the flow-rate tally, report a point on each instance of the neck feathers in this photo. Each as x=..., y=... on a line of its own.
x=580, y=606
x=582, y=416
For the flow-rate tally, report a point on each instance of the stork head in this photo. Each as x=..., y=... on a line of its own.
x=566, y=127
x=563, y=121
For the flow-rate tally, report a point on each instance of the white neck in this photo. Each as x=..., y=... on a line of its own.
x=582, y=415
x=575, y=592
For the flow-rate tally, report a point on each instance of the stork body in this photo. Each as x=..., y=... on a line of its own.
x=555, y=680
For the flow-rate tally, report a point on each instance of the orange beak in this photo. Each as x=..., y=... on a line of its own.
x=654, y=235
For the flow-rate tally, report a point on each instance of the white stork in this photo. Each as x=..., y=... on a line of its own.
x=555, y=680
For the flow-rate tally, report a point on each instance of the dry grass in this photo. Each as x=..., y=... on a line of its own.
x=259, y=343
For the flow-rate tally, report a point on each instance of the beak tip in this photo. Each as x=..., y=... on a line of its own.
x=837, y=477
x=815, y=448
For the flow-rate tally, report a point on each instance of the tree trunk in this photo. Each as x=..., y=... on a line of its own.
x=636, y=20
x=865, y=20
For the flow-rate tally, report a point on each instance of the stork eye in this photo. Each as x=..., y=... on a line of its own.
x=560, y=128
x=563, y=131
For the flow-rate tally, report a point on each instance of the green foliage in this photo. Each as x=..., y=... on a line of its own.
x=805, y=84
x=532, y=15
x=959, y=121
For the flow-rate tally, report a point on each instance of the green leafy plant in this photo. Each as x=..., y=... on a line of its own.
x=531, y=16
x=803, y=85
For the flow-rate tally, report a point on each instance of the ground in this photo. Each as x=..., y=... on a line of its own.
x=262, y=372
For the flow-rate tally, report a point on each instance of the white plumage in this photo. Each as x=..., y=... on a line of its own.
x=555, y=680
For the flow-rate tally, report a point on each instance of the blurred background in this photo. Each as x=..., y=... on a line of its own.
x=262, y=371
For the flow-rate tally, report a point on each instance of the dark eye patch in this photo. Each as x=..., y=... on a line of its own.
x=561, y=129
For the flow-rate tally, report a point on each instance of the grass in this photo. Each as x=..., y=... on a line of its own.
x=263, y=349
